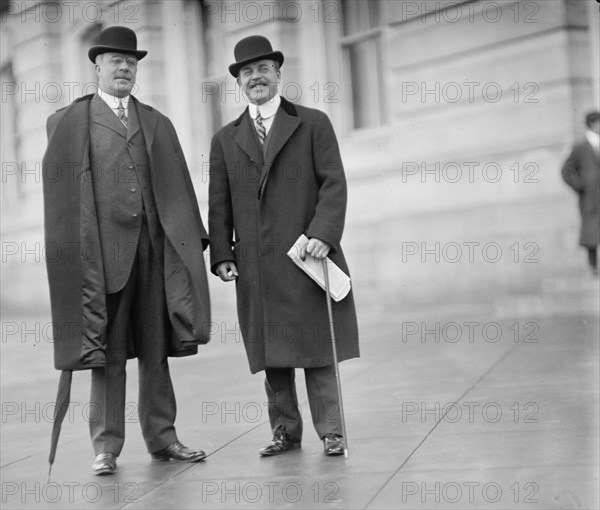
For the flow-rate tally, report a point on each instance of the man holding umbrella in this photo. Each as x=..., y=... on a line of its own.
x=276, y=173
x=126, y=274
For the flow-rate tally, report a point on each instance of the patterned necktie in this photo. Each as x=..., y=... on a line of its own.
x=121, y=112
x=260, y=128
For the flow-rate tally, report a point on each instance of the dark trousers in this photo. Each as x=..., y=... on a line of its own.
x=139, y=310
x=284, y=411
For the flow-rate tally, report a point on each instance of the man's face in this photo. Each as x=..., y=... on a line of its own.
x=116, y=73
x=595, y=126
x=259, y=80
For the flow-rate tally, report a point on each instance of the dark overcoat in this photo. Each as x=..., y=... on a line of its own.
x=258, y=207
x=73, y=254
x=581, y=171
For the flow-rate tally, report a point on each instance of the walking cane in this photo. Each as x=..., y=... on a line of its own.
x=335, y=358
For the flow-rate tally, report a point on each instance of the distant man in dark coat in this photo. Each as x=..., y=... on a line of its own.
x=125, y=240
x=276, y=173
x=581, y=171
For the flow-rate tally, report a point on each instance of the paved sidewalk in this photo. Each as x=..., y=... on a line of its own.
x=465, y=406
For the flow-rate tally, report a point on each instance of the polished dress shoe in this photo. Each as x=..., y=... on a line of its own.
x=105, y=464
x=333, y=444
x=177, y=451
x=281, y=442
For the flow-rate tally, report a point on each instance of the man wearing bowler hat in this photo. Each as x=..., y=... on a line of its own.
x=581, y=171
x=117, y=191
x=276, y=173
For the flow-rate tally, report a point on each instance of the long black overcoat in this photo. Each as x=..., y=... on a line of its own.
x=258, y=206
x=73, y=254
x=581, y=171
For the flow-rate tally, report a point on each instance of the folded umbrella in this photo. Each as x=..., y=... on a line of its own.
x=63, y=398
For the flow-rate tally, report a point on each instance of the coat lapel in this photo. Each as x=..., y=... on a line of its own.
x=591, y=152
x=286, y=121
x=101, y=113
x=283, y=127
x=133, y=123
x=244, y=136
x=147, y=121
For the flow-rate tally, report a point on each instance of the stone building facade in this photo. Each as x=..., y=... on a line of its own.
x=453, y=117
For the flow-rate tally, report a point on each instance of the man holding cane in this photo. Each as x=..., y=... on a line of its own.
x=276, y=173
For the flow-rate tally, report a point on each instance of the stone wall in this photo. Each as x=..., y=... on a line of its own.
x=456, y=197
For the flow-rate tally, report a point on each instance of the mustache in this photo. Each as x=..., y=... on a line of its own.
x=258, y=82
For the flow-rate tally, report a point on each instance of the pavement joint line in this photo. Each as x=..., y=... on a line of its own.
x=238, y=437
x=15, y=461
x=126, y=505
x=222, y=447
x=485, y=374
x=191, y=465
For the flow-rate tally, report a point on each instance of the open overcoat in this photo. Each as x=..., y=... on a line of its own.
x=73, y=254
x=258, y=206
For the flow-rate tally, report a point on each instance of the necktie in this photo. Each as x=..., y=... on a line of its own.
x=260, y=128
x=121, y=112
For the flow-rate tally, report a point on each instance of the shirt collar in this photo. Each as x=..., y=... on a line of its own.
x=113, y=101
x=267, y=109
x=593, y=138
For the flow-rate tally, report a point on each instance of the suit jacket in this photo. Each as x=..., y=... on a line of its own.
x=581, y=171
x=258, y=206
x=76, y=270
x=120, y=170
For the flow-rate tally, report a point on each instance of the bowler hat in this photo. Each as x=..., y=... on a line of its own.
x=251, y=49
x=118, y=40
x=592, y=117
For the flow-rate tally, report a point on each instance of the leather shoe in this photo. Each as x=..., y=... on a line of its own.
x=280, y=442
x=333, y=444
x=105, y=464
x=177, y=451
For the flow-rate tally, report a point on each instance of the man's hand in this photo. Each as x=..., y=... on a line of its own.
x=227, y=271
x=315, y=247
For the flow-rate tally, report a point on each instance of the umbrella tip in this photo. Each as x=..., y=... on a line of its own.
x=346, y=453
x=49, y=472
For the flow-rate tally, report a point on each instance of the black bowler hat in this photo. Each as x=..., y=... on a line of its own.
x=118, y=40
x=251, y=49
x=592, y=117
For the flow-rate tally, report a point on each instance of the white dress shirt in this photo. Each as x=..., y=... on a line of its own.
x=267, y=111
x=113, y=102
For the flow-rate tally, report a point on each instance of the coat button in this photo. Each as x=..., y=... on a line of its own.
x=133, y=190
x=135, y=215
x=130, y=167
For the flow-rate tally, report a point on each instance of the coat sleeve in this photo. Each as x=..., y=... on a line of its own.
x=220, y=212
x=51, y=124
x=330, y=213
x=571, y=171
